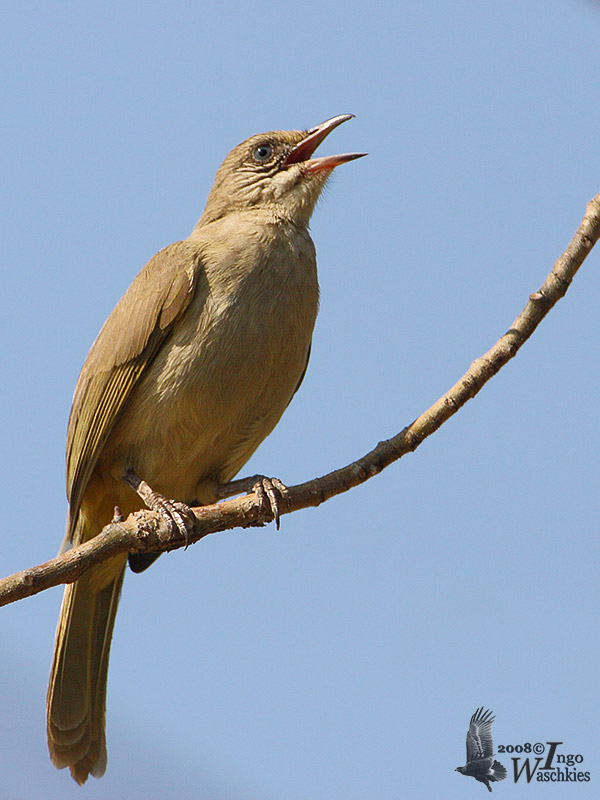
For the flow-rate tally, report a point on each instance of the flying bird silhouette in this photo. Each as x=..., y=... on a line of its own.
x=480, y=751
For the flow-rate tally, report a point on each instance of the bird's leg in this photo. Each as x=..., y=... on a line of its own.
x=270, y=492
x=174, y=512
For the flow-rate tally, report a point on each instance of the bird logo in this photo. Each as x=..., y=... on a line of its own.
x=480, y=750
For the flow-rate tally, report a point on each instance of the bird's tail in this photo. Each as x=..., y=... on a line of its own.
x=498, y=771
x=76, y=703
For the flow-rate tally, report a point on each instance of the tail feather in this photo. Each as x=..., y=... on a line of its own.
x=76, y=704
x=498, y=771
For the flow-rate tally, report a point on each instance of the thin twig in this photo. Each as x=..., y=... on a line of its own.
x=145, y=531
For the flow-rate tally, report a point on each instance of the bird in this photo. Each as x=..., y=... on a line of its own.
x=480, y=751
x=191, y=371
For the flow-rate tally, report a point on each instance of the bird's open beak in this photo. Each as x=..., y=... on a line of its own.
x=303, y=151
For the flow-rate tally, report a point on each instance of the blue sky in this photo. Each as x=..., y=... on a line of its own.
x=342, y=657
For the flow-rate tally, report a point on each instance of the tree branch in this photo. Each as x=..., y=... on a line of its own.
x=146, y=531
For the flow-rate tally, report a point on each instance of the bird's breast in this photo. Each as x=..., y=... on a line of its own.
x=223, y=379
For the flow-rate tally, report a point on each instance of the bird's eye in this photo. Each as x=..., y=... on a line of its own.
x=262, y=152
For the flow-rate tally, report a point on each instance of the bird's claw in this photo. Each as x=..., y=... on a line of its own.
x=173, y=512
x=184, y=517
x=270, y=492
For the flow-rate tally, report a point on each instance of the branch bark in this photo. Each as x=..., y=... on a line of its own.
x=146, y=531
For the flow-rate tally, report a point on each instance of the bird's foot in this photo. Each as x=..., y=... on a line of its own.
x=269, y=491
x=178, y=515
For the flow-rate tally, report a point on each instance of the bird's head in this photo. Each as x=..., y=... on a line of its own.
x=462, y=770
x=275, y=170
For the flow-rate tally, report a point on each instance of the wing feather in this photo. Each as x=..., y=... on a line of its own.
x=127, y=344
x=479, y=736
x=299, y=384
